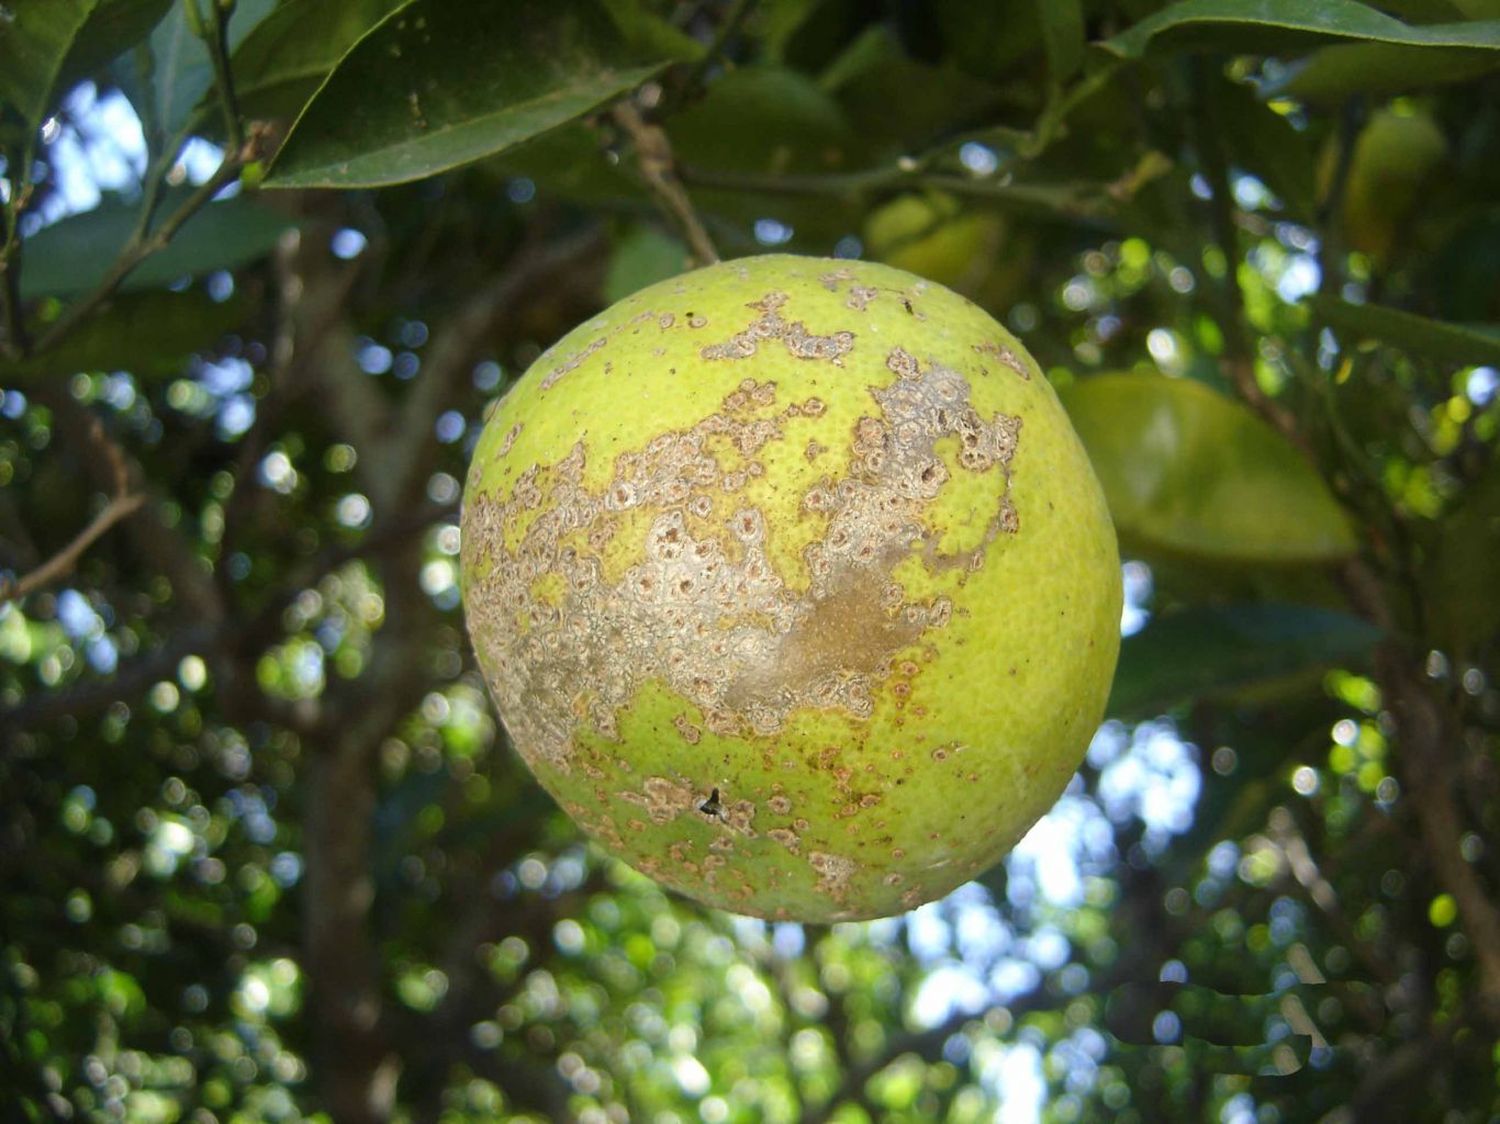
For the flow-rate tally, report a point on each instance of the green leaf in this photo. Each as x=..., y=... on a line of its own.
x=1187, y=471
x=70, y=257
x=1220, y=651
x=767, y=120
x=1331, y=75
x=648, y=33
x=148, y=333
x=1062, y=36
x=436, y=86
x=181, y=71
x=284, y=59
x=1462, y=571
x=114, y=27
x=34, y=43
x=1423, y=11
x=898, y=105
x=1271, y=26
x=643, y=257
x=1418, y=335
x=1267, y=145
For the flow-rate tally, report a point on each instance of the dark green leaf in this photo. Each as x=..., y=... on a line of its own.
x=1187, y=471
x=761, y=118
x=767, y=120
x=1223, y=650
x=70, y=257
x=439, y=85
x=1335, y=73
x=1418, y=335
x=181, y=69
x=1422, y=11
x=649, y=34
x=1462, y=573
x=284, y=59
x=1267, y=145
x=1062, y=35
x=34, y=43
x=1269, y=26
x=898, y=105
x=148, y=333
x=643, y=257
x=114, y=27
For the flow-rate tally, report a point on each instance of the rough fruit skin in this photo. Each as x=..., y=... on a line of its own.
x=793, y=585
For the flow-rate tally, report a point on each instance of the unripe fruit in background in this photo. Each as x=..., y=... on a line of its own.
x=1393, y=157
x=930, y=234
x=793, y=585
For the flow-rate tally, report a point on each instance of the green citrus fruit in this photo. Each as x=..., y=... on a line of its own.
x=793, y=585
x=1393, y=158
x=930, y=234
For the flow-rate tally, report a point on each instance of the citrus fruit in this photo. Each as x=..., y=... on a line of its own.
x=793, y=585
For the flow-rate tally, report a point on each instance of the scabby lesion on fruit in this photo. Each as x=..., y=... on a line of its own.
x=793, y=334
x=664, y=574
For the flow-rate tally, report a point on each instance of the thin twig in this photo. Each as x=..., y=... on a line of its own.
x=653, y=153
x=141, y=247
x=1077, y=202
x=10, y=268
x=721, y=39
x=1239, y=362
x=123, y=503
x=217, y=41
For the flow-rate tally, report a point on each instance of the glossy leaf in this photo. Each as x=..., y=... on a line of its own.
x=1463, y=569
x=71, y=257
x=436, y=86
x=285, y=57
x=1417, y=335
x=1267, y=145
x=148, y=333
x=1244, y=26
x=649, y=33
x=181, y=71
x=1189, y=472
x=1335, y=73
x=1223, y=650
x=34, y=44
x=113, y=27
x=642, y=257
x=1061, y=24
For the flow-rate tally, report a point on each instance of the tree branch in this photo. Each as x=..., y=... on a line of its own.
x=653, y=155
x=142, y=245
x=122, y=504
x=457, y=343
x=1081, y=203
x=216, y=38
x=1424, y=731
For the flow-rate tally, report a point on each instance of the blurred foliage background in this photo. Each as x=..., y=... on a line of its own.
x=264, y=853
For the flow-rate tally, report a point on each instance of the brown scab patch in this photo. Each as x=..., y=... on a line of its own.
x=793, y=335
x=572, y=363
x=860, y=297
x=703, y=610
x=663, y=799
x=690, y=733
x=786, y=837
x=1005, y=356
x=510, y=439
x=834, y=873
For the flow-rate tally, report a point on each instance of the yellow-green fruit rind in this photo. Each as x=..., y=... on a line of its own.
x=793, y=585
